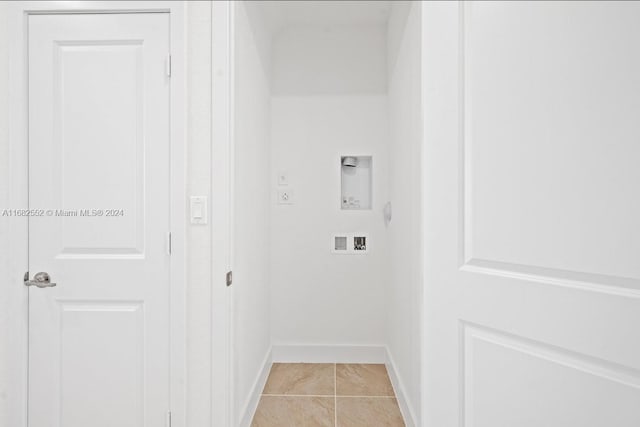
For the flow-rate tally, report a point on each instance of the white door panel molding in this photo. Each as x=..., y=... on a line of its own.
x=532, y=283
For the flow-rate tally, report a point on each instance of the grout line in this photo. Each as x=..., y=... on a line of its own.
x=370, y=397
x=335, y=394
x=298, y=395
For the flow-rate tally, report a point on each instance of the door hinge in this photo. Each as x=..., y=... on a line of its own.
x=168, y=65
x=168, y=419
x=168, y=243
x=229, y=278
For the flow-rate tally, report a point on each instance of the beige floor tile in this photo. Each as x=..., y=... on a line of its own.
x=368, y=412
x=301, y=378
x=363, y=380
x=293, y=411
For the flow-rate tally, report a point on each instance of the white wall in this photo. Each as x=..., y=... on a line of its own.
x=332, y=59
x=5, y=312
x=327, y=102
x=251, y=321
x=404, y=293
x=319, y=297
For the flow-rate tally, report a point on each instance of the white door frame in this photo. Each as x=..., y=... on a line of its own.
x=222, y=93
x=18, y=295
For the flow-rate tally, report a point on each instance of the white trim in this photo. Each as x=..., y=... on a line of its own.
x=401, y=394
x=17, y=331
x=329, y=354
x=424, y=260
x=232, y=409
x=609, y=285
x=18, y=175
x=178, y=310
x=251, y=404
x=231, y=343
x=221, y=99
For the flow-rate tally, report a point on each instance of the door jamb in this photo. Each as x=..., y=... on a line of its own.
x=222, y=91
x=17, y=294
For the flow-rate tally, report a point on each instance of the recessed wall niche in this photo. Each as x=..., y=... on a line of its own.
x=356, y=185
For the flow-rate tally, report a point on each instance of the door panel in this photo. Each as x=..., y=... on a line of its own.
x=99, y=170
x=550, y=146
x=91, y=153
x=102, y=361
x=532, y=290
x=542, y=385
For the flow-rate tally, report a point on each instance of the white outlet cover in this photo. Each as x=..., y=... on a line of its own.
x=285, y=197
x=340, y=243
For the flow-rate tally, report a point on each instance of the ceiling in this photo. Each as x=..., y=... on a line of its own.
x=280, y=14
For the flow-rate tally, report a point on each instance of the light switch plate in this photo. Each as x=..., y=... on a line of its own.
x=285, y=197
x=198, y=210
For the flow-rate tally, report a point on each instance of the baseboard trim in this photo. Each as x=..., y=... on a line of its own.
x=401, y=395
x=253, y=399
x=328, y=354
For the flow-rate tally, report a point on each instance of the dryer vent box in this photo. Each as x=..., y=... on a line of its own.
x=355, y=181
x=350, y=243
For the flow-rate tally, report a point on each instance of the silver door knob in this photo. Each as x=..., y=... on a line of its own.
x=41, y=280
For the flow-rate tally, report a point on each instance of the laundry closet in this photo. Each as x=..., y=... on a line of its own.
x=327, y=156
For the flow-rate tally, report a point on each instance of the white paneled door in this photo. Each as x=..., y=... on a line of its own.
x=99, y=182
x=532, y=214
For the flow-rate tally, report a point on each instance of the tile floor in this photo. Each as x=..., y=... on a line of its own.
x=328, y=395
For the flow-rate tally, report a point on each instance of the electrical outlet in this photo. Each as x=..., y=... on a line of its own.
x=285, y=197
